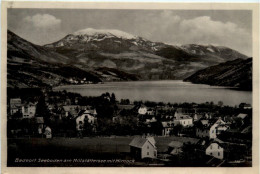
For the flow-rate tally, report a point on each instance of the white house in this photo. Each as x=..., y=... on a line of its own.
x=142, y=110
x=143, y=148
x=15, y=105
x=216, y=150
x=150, y=112
x=86, y=115
x=167, y=127
x=29, y=110
x=183, y=120
x=211, y=129
x=48, y=132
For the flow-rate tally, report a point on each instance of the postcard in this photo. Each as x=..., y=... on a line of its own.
x=136, y=87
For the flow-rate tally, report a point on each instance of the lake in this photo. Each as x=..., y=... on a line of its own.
x=173, y=91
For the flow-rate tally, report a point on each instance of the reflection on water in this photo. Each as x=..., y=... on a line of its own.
x=174, y=91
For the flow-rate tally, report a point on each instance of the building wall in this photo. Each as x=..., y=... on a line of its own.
x=166, y=131
x=29, y=111
x=212, y=132
x=215, y=150
x=148, y=151
x=202, y=133
x=186, y=122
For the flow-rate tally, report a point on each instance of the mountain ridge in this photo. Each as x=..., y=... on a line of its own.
x=236, y=73
x=110, y=57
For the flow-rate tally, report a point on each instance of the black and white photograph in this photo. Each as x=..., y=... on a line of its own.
x=129, y=87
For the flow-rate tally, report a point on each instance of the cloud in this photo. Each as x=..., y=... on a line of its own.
x=40, y=28
x=42, y=21
x=170, y=28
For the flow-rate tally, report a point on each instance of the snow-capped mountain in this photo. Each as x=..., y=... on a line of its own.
x=110, y=55
x=105, y=33
x=105, y=40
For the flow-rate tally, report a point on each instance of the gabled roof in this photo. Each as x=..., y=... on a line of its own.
x=138, y=142
x=248, y=129
x=243, y=116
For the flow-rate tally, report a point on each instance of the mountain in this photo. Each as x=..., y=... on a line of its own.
x=90, y=49
x=236, y=73
x=30, y=65
x=92, y=55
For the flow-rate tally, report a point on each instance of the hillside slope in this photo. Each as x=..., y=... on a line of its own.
x=236, y=73
x=92, y=49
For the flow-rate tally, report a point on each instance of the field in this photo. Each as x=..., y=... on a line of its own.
x=104, y=148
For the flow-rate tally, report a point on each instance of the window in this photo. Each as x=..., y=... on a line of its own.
x=211, y=153
x=154, y=153
x=147, y=153
x=147, y=147
x=218, y=153
x=184, y=122
x=212, y=131
x=218, y=146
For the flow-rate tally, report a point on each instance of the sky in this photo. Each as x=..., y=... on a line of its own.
x=231, y=28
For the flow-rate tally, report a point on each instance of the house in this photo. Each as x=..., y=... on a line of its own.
x=150, y=119
x=242, y=116
x=216, y=149
x=196, y=117
x=167, y=127
x=184, y=120
x=48, y=132
x=142, y=110
x=83, y=116
x=39, y=122
x=90, y=115
x=80, y=120
x=175, y=147
x=70, y=110
x=15, y=105
x=245, y=106
x=29, y=110
x=141, y=148
x=210, y=128
x=150, y=111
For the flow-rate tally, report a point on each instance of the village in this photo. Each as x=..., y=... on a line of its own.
x=179, y=134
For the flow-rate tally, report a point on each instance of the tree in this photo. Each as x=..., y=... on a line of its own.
x=177, y=129
x=220, y=103
x=41, y=109
x=113, y=98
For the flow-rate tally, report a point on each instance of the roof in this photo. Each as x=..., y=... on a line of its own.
x=204, y=122
x=15, y=100
x=175, y=144
x=243, y=116
x=126, y=107
x=39, y=120
x=68, y=108
x=248, y=129
x=182, y=117
x=167, y=124
x=138, y=142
